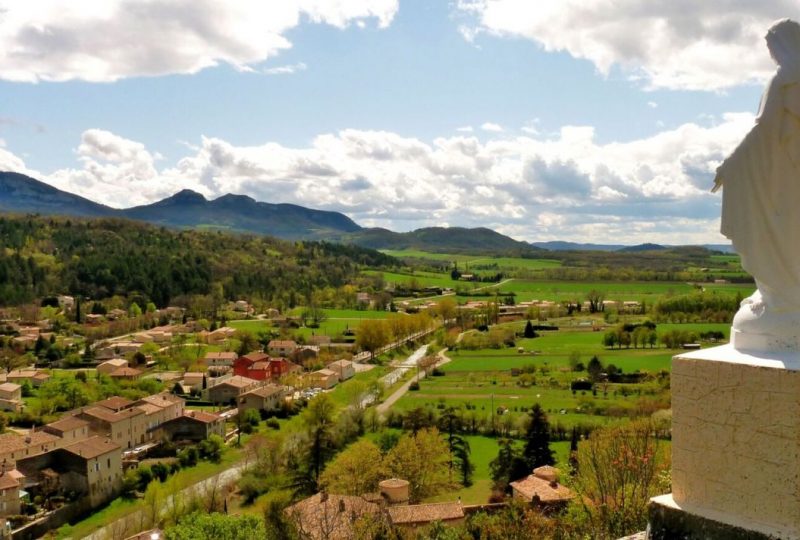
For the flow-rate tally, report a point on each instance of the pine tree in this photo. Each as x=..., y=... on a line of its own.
x=529, y=331
x=537, y=450
x=450, y=425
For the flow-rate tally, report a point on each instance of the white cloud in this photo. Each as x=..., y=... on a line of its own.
x=491, y=127
x=107, y=40
x=652, y=104
x=287, y=69
x=565, y=186
x=676, y=44
x=465, y=129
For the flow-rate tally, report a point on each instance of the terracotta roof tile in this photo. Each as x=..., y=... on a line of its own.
x=92, y=447
x=546, y=491
x=330, y=519
x=425, y=513
x=67, y=423
x=266, y=391
x=115, y=403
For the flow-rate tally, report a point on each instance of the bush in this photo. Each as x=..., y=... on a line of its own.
x=273, y=423
x=414, y=386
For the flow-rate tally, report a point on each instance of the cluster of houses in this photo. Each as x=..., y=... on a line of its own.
x=329, y=516
x=253, y=378
x=85, y=452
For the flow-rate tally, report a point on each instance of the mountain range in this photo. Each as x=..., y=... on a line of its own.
x=238, y=213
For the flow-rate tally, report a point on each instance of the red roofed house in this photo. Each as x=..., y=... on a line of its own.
x=282, y=347
x=261, y=367
x=542, y=488
x=91, y=468
x=192, y=426
x=10, y=483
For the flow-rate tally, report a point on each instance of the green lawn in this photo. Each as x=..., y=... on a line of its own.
x=338, y=320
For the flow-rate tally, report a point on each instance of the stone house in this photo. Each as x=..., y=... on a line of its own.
x=324, y=378
x=91, y=468
x=126, y=428
x=170, y=406
x=413, y=516
x=33, y=377
x=14, y=446
x=126, y=374
x=266, y=398
x=192, y=426
x=281, y=347
x=230, y=389
x=542, y=488
x=114, y=403
x=10, y=484
x=343, y=368
x=69, y=428
x=10, y=397
x=329, y=517
x=110, y=366
x=220, y=358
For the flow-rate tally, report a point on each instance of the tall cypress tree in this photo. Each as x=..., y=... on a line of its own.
x=537, y=450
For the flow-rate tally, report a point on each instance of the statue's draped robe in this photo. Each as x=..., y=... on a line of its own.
x=761, y=199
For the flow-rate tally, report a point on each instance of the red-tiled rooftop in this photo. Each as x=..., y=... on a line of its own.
x=8, y=481
x=202, y=416
x=68, y=423
x=237, y=381
x=114, y=403
x=110, y=416
x=221, y=356
x=256, y=356
x=92, y=447
x=546, y=491
x=266, y=391
x=12, y=442
x=425, y=513
x=125, y=372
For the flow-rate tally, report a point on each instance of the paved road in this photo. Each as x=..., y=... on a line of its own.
x=136, y=521
x=391, y=400
x=394, y=376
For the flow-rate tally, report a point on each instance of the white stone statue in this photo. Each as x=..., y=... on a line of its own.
x=761, y=205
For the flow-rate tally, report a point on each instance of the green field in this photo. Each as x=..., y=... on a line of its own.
x=337, y=322
x=476, y=262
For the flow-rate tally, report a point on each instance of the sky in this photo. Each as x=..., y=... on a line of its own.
x=581, y=120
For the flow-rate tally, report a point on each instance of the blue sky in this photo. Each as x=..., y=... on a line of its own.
x=573, y=122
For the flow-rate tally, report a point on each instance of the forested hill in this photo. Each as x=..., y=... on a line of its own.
x=99, y=258
x=444, y=240
x=238, y=213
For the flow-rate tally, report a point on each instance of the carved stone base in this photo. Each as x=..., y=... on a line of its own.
x=736, y=440
x=668, y=521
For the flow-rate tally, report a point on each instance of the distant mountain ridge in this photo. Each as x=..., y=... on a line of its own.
x=240, y=213
x=559, y=245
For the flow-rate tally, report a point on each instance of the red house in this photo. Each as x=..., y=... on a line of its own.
x=260, y=366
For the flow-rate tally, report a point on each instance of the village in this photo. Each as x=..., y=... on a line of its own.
x=68, y=467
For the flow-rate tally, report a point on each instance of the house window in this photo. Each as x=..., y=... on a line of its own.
x=97, y=467
x=109, y=463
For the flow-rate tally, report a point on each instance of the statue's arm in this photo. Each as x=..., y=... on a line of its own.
x=769, y=112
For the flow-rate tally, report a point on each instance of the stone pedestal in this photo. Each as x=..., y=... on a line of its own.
x=735, y=447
